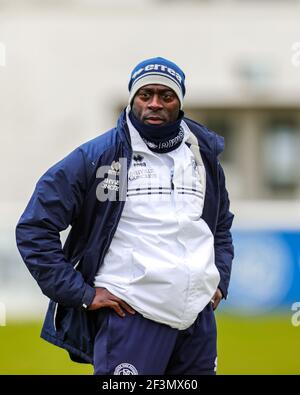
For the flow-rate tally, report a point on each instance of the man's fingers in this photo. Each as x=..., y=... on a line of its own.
x=124, y=304
x=216, y=299
x=127, y=307
x=116, y=307
x=104, y=298
x=215, y=302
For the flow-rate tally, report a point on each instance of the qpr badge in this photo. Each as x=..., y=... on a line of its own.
x=125, y=369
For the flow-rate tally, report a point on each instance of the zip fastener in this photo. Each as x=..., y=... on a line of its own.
x=76, y=264
x=218, y=186
x=172, y=176
x=56, y=304
x=173, y=190
x=112, y=232
x=54, y=316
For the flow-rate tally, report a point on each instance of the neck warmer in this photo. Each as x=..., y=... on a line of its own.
x=160, y=139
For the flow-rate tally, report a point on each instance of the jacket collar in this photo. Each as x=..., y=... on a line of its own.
x=210, y=142
x=122, y=129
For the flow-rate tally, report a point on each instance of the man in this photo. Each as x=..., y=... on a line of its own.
x=149, y=254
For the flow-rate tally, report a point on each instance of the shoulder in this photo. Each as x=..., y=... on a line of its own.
x=95, y=147
x=84, y=159
x=208, y=139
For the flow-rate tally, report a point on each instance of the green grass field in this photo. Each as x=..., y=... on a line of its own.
x=266, y=345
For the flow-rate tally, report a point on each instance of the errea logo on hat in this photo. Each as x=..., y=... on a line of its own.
x=157, y=71
x=158, y=67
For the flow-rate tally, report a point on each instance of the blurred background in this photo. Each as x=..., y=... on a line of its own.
x=64, y=69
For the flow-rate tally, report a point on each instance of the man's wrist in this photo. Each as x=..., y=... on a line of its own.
x=88, y=297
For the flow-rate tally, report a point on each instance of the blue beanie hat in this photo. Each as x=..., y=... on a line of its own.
x=157, y=71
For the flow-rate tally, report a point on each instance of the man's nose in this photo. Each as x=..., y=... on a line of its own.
x=155, y=103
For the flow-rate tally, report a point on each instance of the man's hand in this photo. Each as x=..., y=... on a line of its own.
x=216, y=298
x=104, y=298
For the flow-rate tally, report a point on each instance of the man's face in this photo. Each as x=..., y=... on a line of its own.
x=156, y=105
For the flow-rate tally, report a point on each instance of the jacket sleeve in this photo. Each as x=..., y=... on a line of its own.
x=224, y=251
x=54, y=205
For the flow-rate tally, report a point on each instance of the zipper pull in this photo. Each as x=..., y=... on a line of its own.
x=172, y=175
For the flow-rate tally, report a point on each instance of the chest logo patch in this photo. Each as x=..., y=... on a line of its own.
x=125, y=369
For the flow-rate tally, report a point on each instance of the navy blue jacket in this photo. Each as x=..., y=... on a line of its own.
x=66, y=195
